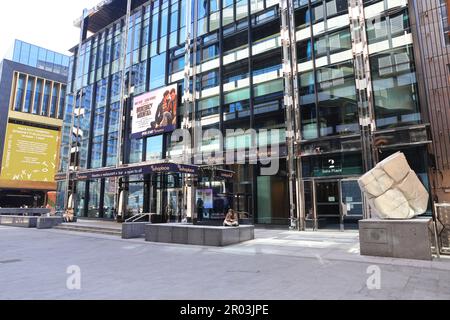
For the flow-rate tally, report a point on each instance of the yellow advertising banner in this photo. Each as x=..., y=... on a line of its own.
x=30, y=154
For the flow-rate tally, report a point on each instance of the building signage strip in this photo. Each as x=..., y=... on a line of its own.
x=136, y=170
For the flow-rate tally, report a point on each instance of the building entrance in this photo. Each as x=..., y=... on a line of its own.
x=333, y=204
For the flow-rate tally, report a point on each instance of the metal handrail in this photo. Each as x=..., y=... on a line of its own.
x=137, y=217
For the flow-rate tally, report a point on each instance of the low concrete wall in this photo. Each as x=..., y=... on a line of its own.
x=48, y=222
x=198, y=235
x=23, y=212
x=408, y=239
x=19, y=221
x=132, y=230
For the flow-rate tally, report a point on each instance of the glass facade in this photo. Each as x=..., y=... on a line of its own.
x=237, y=58
x=38, y=57
x=37, y=96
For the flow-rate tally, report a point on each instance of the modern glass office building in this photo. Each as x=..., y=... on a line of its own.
x=337, y=78
x=32, y=101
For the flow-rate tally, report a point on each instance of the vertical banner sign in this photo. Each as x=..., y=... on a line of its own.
x=155, y=112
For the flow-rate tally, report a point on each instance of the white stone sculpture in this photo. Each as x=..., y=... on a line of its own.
x=393, y=190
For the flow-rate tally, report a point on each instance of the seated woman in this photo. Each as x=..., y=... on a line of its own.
x=68, y=215
x=231, y=220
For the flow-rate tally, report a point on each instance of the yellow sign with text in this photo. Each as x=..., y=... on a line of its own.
x=30, y=154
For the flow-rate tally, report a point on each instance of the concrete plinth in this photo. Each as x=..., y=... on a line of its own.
x=48, y=222
x=132, y=230
x=198, y=235
x=19, y=221
x=408, y=239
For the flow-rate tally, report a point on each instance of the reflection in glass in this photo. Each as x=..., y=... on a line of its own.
x=395, y=88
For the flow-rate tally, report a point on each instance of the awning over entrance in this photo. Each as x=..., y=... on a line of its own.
x=164, y=167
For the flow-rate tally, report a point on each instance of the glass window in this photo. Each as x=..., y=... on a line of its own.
x=209, y=106
x=395, y=88
x=54, y=103
x=20, y=92
x=155, y=27
x=29, y=95
x=241, y=9
x=17, y=49
x=62, y=99
x=308, y=106
x=50, y=61
x=37, y=97
x=42, y=57
x=158, y=71
x=111, y=155
x=154, y=148
x=380, y=29
x=25, y=53
x=228, y=15
x=304, y=50
x=338, y=112
x=174, y=19
x=46, y=102
x=164, y=22
x=97, y=152
x=34, y=52
x=136, y=150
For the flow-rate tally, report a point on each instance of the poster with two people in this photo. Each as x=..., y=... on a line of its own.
x=155, y=112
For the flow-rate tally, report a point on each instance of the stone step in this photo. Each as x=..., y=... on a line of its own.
x=87, y=229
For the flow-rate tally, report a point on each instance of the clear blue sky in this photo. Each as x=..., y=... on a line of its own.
x=46, y=23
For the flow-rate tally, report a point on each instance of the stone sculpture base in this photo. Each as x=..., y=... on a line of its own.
x=407, y=239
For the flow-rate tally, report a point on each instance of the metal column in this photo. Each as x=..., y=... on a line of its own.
x=360, y=49
x=121, y=134
x=291, y=102
x=75, y=94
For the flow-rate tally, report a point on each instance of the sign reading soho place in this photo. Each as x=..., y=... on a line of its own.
x=136, y=170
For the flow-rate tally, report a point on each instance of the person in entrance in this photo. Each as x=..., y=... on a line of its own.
x=231, y=220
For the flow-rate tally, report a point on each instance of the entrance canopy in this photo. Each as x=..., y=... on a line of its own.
x=146, y=168
x=166, y=167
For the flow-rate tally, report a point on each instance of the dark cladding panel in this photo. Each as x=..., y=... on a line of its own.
x=110, y=12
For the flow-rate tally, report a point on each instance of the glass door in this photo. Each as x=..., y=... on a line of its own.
x=352, y=204
x=328, y=205
x=310, y=205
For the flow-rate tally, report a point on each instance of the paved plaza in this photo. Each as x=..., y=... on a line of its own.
x=277, y=265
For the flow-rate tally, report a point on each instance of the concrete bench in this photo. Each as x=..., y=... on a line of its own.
x=132, y=230
x=198, y=235
x=19, y=221
x=48, y=222
x=407, y=239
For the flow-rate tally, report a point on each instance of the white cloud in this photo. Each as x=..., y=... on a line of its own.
x=46, y=23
